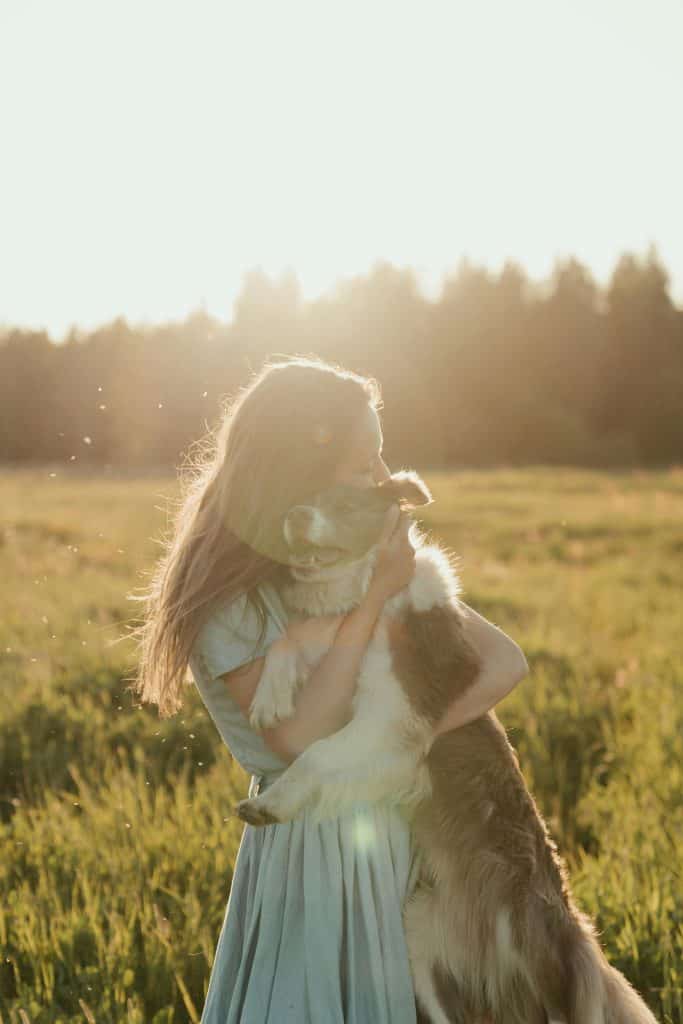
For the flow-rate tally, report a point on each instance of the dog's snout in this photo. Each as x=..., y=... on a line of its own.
x=299, y=520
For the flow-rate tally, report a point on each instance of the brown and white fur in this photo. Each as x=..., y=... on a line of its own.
x=491, y=927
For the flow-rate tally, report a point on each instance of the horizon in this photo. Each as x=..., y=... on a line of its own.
x=185, y=146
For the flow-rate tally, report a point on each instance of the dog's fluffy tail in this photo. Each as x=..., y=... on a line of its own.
x=601, y=994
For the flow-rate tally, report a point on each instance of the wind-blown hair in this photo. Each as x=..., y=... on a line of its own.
x=279, y=440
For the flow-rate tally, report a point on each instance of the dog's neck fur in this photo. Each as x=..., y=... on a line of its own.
x=333, y=595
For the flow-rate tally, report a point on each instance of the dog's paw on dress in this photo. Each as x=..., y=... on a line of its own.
x=254, y=812
x=280, y=803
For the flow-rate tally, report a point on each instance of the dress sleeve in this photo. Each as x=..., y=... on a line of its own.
x=228, y=638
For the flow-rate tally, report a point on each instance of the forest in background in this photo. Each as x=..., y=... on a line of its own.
x=500, y=370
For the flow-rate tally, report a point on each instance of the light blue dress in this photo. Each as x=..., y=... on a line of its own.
x=313, y=930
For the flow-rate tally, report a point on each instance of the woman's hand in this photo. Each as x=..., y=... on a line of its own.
x=395, y=564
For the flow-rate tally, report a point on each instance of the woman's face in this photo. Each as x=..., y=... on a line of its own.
x=363, y=465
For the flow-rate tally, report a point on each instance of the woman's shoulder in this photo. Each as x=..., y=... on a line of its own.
x=229, y=638
x=238, y=614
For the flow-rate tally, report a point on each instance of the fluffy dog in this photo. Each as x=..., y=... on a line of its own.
x=491, y=928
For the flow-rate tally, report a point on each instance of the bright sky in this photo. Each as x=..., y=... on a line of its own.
x=155, y=150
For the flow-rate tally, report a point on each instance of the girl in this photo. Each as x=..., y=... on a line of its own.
x=313, y=932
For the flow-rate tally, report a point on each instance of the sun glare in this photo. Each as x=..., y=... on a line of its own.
x=159, y=151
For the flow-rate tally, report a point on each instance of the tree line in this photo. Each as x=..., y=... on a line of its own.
x=499, y=370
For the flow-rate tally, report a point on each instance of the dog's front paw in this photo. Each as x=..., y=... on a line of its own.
x=274, y=697
x=254, y=812
x=281, y=802
x=268, y=709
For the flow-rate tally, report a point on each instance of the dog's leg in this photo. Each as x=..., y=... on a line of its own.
x=288, y=663
x=280, y=678
x=356, y=763
x=323, y=779
x=425, y=950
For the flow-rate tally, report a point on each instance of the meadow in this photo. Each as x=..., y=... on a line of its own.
x=116, y=840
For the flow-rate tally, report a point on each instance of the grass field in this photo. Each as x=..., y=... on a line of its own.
x=115, y=843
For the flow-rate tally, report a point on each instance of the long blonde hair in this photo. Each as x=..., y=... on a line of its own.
x=279, y=440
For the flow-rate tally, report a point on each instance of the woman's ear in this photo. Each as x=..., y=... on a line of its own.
x=408, y=488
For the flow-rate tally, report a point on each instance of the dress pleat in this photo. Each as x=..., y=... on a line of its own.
x=313, y=930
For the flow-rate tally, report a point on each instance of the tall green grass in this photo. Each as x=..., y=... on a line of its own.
x=116, y=845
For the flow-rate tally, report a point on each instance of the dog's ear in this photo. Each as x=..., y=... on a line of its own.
x=408, y=488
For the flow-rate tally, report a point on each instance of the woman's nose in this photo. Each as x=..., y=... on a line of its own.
x=383, y=472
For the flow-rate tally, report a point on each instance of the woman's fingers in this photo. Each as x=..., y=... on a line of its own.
x=391, y=520
x=402, y=528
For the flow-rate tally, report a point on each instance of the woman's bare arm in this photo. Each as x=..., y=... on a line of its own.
x=322, y=705
x=503, y=666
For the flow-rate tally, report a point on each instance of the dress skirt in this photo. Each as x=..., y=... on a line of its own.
x=313, y=930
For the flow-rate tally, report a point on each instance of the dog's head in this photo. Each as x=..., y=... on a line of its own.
x=340, y=525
